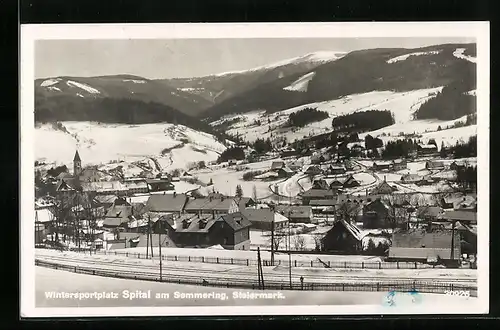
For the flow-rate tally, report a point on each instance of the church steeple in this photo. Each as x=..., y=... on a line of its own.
x=77, y=164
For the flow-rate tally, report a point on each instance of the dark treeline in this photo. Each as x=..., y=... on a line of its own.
x=451, y=103
x=363, y=121
x=399, y=148
x=231, y=153
x=111, y=110
x=306, y=116
x=467, y=178
x=462, y=149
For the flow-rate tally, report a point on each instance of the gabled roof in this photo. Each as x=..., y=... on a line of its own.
x=193, y=223
x=166, y=202
x=323, y=202
x=384, y=186
x=64, y=186
x=209, y=204
x=378, y=201
x=423, y=239
x=318, y=193
x=237, y=221
x=427, y=146
x=258, y=215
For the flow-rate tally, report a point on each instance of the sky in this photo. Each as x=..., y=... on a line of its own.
x=183, y=58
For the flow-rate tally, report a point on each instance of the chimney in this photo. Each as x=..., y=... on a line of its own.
x=366, y=190
x=385, y=177
x=175, y=193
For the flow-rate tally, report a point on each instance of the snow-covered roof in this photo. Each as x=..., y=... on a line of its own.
x=43, y=215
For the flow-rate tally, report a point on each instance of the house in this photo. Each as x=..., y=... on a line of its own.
x=288, y=152
x=336, y=169
x=467, y=202
x=90, y=174
x=342, y=238
x=118, y=215
x=381, y=166
x=167, y=203
x=295, y=166
x=317, y=158
x=410, y=178
x=211, y=205
x=434, y=165
x=429, y=213
x=105, y=188
x=313, y=170
x=284, y=172
x=376, y=214
x=297, y=214
x=426, y=149
x=64, y=188
x=320, y=184
x=450, y=175
x=399, y=164
x=136, y=186
x=231, y=231
x=425, y=181
x=464, y=216
x=312, y=194
x=383, y=189
x=323, y=206
x=155, y=185
x=263, y=219
x=423, y=246
x=105, y=201
x=457, y=165
x=276, y=165
x=336, y=184
x=231, y=162
x=350, y=182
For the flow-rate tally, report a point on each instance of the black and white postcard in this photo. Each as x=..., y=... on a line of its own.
x=255, y=169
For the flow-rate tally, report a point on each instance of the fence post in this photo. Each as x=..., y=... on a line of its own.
x=345, y=265
x=247, y=262
x=311, y=263
x=93, y=272
x=217, y=259
x=397, y=264
x=295, y=262
x=138, y=256
x=362, y=265
x=231, y=261
x=379, y=265
x=175, y=258
x=378, y=288
x=189, y=258
x=343, y=288
x=127, y=254
x=415, y=265
x=328, y=263
x=202, y=259
x=75, y=269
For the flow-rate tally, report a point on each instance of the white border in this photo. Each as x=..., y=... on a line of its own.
x=31, y=33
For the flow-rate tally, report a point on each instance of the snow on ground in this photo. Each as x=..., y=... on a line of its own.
x=102, y=143
x=472, y=92
x=85, y=87
x=402, y=105
x=225, y=181
x=47, y=280
x=300, y=85
x=135, y=81
x=290, y=187
x=404, y=57
x=459, y=53
x=53, y=88
x=49, y=82
x=364, y=178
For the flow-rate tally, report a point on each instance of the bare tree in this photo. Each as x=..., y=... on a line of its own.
x=299, y=242
x=254, y=193
x=279, y=239
x=318, y=245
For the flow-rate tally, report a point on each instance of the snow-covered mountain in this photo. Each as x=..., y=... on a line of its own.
x=218, y=87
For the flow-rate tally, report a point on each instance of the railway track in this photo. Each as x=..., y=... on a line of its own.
x=238, y=274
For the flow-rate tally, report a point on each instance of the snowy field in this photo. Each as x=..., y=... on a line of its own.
x=402, y=105
x=47, y=280
x=102, y=143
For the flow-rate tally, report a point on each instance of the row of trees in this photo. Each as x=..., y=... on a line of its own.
x=363, y=121
x=305, y=116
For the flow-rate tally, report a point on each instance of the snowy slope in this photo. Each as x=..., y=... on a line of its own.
x=300, y=85
x=85, y=87
x=100, y=143
x=459, y=53
x=404, y=57
x=402, y=105
x=316, y=57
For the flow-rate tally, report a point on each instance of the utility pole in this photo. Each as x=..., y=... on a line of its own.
x=272, y=238
x=258, y=268
x=147, y=237
x=159, y=243
x=289, y=244
x=452, y=257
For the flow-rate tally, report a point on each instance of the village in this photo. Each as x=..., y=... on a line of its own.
x=327, y=211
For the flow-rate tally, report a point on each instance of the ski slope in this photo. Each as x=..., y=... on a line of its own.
x=105, y=143
x=300, y=85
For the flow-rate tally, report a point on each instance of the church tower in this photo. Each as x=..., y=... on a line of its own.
x=77, y=164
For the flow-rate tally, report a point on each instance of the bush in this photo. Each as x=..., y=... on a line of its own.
x=248, y=176
x=363, y=121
